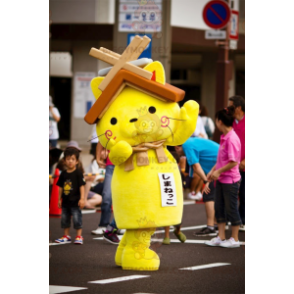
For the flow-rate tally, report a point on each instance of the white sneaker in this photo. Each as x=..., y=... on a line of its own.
x=98, y=231
x=242, y=228
x=199, y=196
x=192, y=195
x=215, y=242
x=231, y=243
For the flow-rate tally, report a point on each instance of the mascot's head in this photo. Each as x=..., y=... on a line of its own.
x=135, y=116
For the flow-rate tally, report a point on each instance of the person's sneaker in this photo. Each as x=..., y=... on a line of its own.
x=181, y=236
x=242, y=228
x=120, y=231
x=166, y=241
x=205, y=232
x=64, y=239
x=199, y=196
x=192, y=195
x=79, y=240
x=231, y=243
x=111, y=237
x=98, y=231
x=215, y=242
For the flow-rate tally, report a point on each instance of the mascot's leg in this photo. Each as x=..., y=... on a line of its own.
x=136, y=253
x=120, y=249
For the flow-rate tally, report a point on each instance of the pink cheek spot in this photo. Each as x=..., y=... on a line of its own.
x=108, y=134
x=165, y=121
x=114, y=138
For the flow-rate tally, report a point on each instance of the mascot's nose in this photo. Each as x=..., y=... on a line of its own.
x=133, y=120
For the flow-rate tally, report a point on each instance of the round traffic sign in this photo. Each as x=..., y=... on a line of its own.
x=216, y=14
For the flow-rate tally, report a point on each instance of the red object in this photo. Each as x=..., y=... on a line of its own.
x=234, y=32
x=54, y=209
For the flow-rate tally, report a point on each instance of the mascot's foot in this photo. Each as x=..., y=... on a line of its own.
x=146, y=260
x=120, y=249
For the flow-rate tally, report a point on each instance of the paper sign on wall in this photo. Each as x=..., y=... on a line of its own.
x=140, y=16
x=168, y=189
x=83, y=96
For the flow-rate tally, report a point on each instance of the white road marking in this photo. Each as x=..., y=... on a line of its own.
x=88, y=211
x=52, y=244
x=172, y=240
x=199, y=267
x=114, y=280
x=63, y=289
x=185, y=228
x=189, y=202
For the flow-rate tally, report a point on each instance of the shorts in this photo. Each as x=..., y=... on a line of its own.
x=226, y=203
x=211, y=195
x=186, y=181
x=76, y=214
x=90, y=195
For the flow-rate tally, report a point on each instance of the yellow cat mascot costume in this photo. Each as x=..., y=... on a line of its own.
x=136, y=125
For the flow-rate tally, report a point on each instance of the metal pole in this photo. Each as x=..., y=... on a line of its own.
x=223, y=75
x=50, y=22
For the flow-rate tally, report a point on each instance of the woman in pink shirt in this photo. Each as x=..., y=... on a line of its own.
x=227, y=176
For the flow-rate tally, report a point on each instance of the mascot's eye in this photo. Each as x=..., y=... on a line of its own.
x=152, y=109
x=113, y=121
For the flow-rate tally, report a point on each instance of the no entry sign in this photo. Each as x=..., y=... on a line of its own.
x=216, y=14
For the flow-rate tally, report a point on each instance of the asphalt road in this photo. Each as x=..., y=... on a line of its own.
x=75, y=266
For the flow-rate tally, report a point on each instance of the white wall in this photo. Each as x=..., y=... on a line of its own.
x=188, y=13
x=82, y=11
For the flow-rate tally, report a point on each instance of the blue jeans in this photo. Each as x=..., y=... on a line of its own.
x=226, y=203
x=106, y=197
x=76, y=217
x=112, y=225
x=242, y=198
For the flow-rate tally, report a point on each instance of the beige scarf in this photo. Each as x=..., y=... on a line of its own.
x=142, y=155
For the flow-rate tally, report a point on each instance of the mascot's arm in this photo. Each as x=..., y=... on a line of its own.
x=189, y=114
x=119, y=152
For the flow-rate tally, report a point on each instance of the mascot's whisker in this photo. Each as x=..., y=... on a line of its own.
x=171, y=132
x=176, y=118
x=95, y=137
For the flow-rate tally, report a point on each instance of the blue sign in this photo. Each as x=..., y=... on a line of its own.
x=148, y=50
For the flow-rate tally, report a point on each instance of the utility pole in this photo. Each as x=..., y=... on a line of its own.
x=223, y=74
x=50, y=22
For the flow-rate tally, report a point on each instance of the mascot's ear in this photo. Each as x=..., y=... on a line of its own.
x=158, y=71
x=94, y=86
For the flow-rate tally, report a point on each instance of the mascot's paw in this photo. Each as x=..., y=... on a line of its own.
x=146, y=260
x=120, y=151
x=190, y=110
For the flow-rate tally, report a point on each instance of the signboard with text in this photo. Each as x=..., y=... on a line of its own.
x=139, y=16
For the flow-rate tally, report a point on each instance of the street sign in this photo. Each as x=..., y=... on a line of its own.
x=234, y=32
x=215, y=35
x=216, y=14
x=148, y=50
x=233, y=44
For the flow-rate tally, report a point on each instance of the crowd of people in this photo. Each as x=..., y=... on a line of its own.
x=211, y=171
